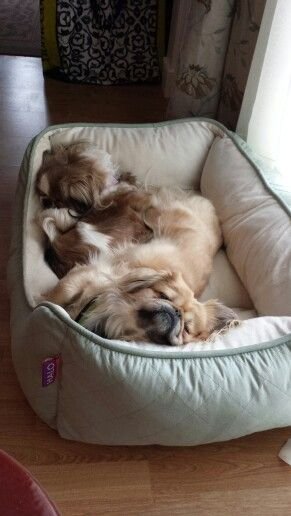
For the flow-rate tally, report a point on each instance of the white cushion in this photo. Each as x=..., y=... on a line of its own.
x=255, y=227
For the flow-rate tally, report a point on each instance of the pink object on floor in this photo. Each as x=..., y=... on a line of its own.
x=20, y=494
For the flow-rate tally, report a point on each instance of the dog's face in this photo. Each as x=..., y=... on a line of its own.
x=74, y=177
x=145, y=305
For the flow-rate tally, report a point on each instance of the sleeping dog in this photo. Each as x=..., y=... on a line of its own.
x=96, y=207
x=143, y=291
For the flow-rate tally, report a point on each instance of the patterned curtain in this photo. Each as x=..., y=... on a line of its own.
x=215, y=57
x=100, y=41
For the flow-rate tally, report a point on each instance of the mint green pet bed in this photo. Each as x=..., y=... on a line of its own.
x=111, y=392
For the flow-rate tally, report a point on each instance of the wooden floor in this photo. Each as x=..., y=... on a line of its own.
x=242, y=477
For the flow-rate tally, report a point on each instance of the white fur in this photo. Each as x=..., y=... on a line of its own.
x=54, y=220
x=49, y=227
x=91, y=236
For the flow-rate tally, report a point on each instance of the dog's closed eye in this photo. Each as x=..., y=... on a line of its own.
x=162, y=295
x=79, y=206
x=46, y=202
x=141, y=278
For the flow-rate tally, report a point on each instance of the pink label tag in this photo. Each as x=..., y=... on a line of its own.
x=49, y=370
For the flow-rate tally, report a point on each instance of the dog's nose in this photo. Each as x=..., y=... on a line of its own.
x=166, y=318
x=162, y=323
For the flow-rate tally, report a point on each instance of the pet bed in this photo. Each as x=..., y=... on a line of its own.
x=111, y=392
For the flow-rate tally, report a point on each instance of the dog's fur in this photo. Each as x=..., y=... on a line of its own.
x=147, y=292
x=75, y=176
x=73, y=241
x=96, y=206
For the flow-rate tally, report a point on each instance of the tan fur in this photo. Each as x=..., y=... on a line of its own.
x=146, y=291
x=187, y=237
x=146, y=255
x=121, y=295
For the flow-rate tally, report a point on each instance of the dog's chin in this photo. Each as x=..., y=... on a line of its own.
x=176, y=337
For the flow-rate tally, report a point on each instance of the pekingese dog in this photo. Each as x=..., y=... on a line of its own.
x=148, y=291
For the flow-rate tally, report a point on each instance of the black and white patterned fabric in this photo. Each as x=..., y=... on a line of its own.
x=107, y=41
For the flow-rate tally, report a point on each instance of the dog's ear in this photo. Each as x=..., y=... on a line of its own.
x=220, y=316
x=50, y=157
x=85, y=191
x=60, y=154
x=74, y=291
x=142, y=277
x=72, y=301
x=46, y=158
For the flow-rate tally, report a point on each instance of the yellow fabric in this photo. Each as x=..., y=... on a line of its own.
x=50, y=53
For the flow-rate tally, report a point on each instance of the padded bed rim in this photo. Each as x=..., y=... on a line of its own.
x=261, y=167
x=272, y=187
x=118, y=346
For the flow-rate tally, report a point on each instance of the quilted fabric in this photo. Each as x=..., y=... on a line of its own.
x=183, y=401
x=113, y=393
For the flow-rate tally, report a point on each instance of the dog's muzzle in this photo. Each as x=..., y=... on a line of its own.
x=162, y=324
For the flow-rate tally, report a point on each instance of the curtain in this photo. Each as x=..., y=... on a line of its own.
x=264, y=120
x=100, y=41
x=215, y=54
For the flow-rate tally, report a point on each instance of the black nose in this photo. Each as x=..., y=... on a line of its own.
x=166, y=318
x=160, y=322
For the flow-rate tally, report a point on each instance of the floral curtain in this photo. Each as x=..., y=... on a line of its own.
x=215, y=57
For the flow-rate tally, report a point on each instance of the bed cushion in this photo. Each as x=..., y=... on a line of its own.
x=256, y=230
x=115, y=392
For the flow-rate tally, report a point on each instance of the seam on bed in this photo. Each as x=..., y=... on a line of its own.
x=191, y=354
